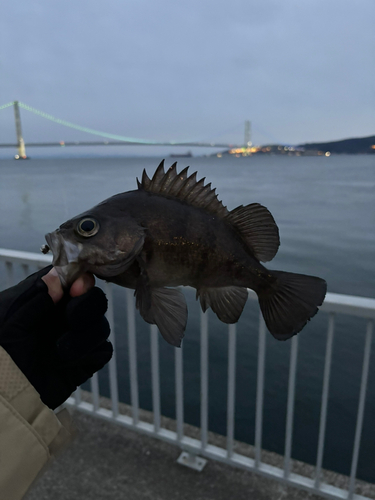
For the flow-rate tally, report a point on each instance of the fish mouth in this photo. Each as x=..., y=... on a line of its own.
x=65, y=258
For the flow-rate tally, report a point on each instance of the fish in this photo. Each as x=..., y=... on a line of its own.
x=173, y=231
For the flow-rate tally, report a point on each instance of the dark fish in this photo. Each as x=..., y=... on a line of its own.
x=174, y=231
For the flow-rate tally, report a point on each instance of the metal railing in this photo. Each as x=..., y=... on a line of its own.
x=334, y=304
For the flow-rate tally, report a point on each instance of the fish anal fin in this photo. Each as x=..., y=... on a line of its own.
x=226, y=302
x=184, y=188
x=258, y=228
x=164, y=307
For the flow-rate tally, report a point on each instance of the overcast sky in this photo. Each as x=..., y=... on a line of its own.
x=300, y=70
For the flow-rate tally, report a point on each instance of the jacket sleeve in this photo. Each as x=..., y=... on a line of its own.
x=30, y=433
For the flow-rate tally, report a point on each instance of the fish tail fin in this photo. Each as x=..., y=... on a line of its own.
x=290, y=302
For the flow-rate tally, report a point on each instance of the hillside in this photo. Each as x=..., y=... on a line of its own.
x=360, y=145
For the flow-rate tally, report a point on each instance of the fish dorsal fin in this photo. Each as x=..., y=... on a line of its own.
x=183, y=187
x=258, y=228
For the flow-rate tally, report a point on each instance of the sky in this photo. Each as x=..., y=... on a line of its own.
x=299, y=70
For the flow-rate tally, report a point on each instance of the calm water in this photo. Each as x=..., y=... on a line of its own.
x=324, y=208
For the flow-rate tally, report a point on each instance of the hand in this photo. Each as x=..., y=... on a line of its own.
x=57, y=340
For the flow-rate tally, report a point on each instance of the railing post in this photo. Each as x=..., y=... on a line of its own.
x=179, y=393
x=323, y=411
x=231, y=387
x=94, y=383
x=361, y=407
x=204, y=378
x=132, y=356
x=108, y=288
x=155, y=376
x=290, y=405
x=260, y=390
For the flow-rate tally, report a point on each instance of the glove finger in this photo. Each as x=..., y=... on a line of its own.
x=76, y=343
x=86, y=309
x=13, y=298
x=35, y=315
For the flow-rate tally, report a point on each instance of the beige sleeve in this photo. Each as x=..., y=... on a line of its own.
x=30, y=433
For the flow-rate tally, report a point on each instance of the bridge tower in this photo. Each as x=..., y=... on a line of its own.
x=248, y=143
x=20, y=142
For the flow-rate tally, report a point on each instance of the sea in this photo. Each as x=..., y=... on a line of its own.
x=324, y=208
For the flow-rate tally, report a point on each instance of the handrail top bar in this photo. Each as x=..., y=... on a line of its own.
x=24, y=257
x=344, y=304
x=349, y=304
x=334, y=302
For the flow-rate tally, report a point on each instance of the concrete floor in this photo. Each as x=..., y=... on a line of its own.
x=108, y=461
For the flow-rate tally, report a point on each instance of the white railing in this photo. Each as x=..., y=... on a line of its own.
x=334, y=304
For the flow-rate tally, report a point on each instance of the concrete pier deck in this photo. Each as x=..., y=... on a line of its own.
x=107, y=461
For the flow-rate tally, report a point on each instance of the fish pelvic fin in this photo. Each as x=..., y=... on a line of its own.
x=291, y=301
x=258, y=229
x=184, y=188
x=226, y=302
x=164, y=307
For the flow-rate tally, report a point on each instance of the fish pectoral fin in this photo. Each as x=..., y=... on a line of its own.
x=164, y=307
x=226, y=302
x=258, y=228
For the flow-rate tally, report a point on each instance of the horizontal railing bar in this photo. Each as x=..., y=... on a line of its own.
x=216, y=453
x=20, y=257
x=349, y=304
x=344, y=304
x=334, y=302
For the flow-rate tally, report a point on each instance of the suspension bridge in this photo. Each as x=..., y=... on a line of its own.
x=109, y=139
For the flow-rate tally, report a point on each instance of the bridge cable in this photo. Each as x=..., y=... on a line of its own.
x=84, y=129
x=7, y=105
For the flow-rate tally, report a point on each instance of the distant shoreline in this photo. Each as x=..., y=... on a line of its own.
x=356, y=146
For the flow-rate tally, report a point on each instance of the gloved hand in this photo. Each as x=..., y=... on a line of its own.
x=57, y=346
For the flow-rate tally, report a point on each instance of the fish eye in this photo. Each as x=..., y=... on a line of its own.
x=87, y=227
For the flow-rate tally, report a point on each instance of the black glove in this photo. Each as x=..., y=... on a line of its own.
x=56, y=346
